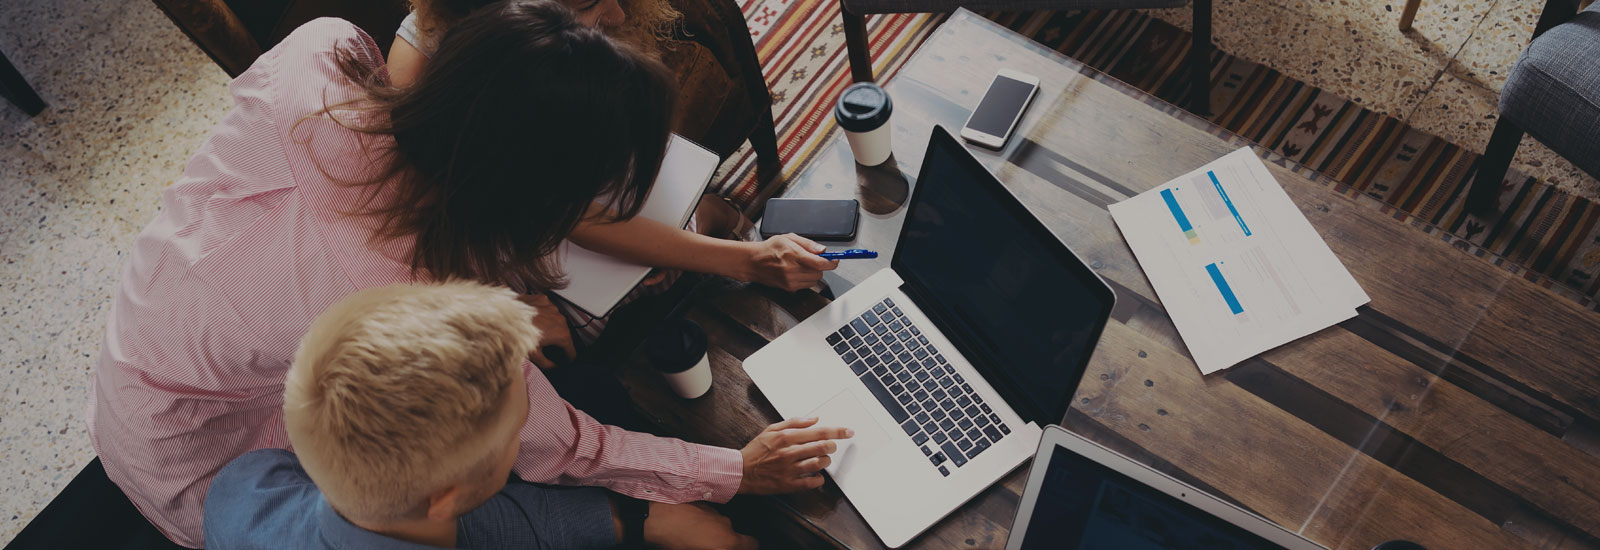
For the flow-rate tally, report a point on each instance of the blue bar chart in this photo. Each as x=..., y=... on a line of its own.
x=1227, y=291
x=1225, y=200
x=1177, y=213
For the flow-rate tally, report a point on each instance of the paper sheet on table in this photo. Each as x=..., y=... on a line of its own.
x=1236, y=264
x=596, y=282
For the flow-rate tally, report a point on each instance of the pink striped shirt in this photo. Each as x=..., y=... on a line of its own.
x=250, y=246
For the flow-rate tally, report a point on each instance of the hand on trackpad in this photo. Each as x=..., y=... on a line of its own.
x=845, y=411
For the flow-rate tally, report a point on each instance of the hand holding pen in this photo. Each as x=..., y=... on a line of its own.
x=852, y=254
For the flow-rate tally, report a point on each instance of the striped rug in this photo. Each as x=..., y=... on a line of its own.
x=1546, y=236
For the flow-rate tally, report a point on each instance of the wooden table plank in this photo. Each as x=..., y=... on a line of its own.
x=1212, y=429
x=1460, y=426
x=1497, y=321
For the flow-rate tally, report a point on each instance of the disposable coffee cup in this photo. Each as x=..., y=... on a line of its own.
x=677, y=350
x=863, y=112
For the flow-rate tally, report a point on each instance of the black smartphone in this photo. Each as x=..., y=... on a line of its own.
x=815, y=219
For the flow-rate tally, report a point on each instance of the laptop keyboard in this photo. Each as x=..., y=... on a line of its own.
x=920, y=389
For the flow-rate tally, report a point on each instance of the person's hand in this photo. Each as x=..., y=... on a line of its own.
x=656, y=277
x=788, y=456
x=553, y=332
x=789, y=262
x=691, y=525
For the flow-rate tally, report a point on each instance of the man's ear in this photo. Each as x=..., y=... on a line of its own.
x=442, y=504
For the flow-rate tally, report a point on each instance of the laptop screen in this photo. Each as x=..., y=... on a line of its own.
x=1017, y=303
x=1085, y=505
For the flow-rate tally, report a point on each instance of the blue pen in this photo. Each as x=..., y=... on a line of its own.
x=852, y=254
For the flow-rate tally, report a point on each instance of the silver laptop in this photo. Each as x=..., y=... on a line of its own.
x=946, y=363
x=1084, y=496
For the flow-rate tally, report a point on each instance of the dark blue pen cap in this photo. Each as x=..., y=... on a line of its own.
x=863, y=107
x=676, y=346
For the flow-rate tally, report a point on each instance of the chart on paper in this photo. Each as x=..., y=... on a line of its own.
x=1235, y=263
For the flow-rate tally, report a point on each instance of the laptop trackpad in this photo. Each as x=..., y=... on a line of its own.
x=845, y=411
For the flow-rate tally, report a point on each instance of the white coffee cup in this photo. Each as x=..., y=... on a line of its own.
x=677, y=350
x=692, y=383
x=863, y=112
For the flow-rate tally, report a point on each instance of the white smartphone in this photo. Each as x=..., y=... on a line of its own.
x=997, y=114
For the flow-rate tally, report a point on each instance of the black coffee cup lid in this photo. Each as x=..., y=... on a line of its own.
x=676, y=346
x=863, y=107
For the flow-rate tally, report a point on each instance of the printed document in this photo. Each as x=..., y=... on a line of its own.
x=1236, y=264
x=595, y=281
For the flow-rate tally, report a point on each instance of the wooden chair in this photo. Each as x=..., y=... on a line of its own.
x=855, y=30
x=13, y=87
x=1408, y=14
x=91, y=512
x=725, y=99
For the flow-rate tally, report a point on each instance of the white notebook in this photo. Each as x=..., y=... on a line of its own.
x=596, y=282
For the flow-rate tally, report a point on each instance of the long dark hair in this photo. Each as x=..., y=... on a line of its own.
x=520, y=121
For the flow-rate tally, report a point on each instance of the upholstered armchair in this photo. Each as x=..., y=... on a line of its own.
x=1552, y=94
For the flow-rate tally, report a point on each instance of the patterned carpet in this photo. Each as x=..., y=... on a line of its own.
x=1547, y=236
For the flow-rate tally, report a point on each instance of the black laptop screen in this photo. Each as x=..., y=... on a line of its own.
x=1012, y=297
x=1087, y=506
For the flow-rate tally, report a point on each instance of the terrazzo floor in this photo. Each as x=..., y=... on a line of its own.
x=131, y=98
x=1442, y=77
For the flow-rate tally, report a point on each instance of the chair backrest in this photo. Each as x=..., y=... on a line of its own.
x=92, y=512
x=722, y=93
x=235, y=32
x=269, y=21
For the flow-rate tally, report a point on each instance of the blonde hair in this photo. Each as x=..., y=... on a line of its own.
x=398, y=392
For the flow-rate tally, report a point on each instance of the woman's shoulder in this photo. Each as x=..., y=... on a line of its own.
x=314, y=44
x=302, y=76
x=326, y=33
x=298, y=95
x=300, y=73
x=411, y=32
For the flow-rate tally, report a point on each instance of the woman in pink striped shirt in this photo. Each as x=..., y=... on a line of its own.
x=323, y=180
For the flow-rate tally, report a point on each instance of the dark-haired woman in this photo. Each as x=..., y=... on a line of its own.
x=322, y=181
x=642, y=241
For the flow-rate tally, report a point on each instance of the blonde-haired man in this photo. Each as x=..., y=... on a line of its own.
x=403, y=405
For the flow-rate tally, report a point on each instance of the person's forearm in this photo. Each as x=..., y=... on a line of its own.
x=565, y=446
x=641, y=466
x=648, y=242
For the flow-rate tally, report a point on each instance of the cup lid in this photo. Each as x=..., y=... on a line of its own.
x=676, y=346
x=863, y=107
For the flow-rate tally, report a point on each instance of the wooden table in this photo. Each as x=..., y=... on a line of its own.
x=1458, y=409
